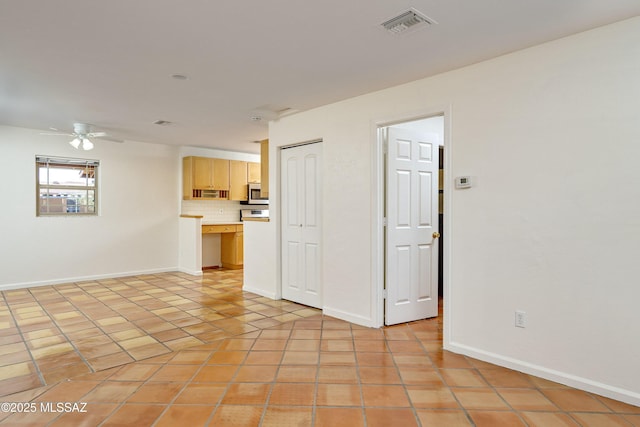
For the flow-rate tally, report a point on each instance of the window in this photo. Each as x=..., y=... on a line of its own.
x=66, y=186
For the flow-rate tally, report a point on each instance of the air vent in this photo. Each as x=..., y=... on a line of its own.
x=407, y=20
x=162, y=122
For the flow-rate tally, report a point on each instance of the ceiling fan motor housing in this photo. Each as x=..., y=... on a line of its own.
x=81, y=128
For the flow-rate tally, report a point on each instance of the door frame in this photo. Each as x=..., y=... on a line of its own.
x=378, y=210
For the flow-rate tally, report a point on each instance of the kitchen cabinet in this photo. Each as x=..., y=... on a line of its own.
x=220, y=228
x=238, y=177
x=264, y=168
x=232, y=249
x=231, y=243
x=253, y=172
x=205, y=178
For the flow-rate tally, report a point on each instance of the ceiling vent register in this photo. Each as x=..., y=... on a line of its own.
x=407, y=20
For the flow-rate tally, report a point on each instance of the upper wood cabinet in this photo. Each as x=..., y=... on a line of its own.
x=264, y=168
x=204, y=177
x=202, y=168
x=253, y=172
x=238, y=180
x=220, y=174
x=210, y=178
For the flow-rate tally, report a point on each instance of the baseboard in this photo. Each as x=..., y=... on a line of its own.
x=10, y=286
x=349, y=317
x=574, y=381
x=260, y=292
x=191, y=272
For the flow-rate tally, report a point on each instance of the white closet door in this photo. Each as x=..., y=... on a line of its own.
x=301, y=231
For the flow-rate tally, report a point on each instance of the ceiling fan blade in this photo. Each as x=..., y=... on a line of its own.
x=56, y=133
x=109, y=138
x=96, y=134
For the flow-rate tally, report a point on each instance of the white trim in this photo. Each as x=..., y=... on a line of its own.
x=261, y=292
x=447, y=226
x=574, y=381
x=11, y=286
x=377, y=227
x=349, y=317
x=191, y=272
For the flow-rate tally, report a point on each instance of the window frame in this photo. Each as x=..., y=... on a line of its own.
x=50, y=162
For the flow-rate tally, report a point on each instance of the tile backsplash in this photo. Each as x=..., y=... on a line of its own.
x=213, y=210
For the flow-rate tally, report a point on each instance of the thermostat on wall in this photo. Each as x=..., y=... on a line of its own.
x=463, y=182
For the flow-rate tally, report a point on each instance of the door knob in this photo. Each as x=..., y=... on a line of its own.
x=435, y=235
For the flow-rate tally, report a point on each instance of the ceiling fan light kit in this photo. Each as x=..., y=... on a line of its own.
x=83, y=143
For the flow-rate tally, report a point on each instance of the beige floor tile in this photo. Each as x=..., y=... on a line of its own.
x=575, y=400
x=548, y=419
x=443, y=418
x=496, y=419
x=384, y=417
x=433, y=398
x=527, y=400
x=338, y=395
x=480, y=399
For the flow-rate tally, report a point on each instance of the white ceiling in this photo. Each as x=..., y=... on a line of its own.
x=109, y=63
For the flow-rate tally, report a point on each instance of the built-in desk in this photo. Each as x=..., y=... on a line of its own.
x=231, y=243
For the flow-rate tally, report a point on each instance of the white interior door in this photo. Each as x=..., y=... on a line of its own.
x=411, y=274
x=301, y=191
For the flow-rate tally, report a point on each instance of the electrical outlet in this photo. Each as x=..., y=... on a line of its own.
x=521, y=319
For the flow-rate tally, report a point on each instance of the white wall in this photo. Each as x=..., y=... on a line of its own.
x=136, y=231
x=552, y=228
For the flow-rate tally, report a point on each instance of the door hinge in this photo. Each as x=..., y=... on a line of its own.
x=384, y=294
x=384, y=222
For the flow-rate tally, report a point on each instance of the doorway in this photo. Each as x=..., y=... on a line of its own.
x=413, y=208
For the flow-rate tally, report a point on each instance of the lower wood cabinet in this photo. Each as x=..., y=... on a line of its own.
x=232, y=250
x=231, y=243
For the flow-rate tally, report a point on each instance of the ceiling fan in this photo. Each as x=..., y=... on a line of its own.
x=81, y=134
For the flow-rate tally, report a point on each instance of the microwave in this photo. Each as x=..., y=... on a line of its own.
x=254, y=196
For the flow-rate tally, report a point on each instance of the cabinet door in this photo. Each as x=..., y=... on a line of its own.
x=238, y=176
x=264, y=168
x=202, y=172
x=220, y=174
x=240, y=247
x=253, y=173
x=187, y=179
x=231, y=246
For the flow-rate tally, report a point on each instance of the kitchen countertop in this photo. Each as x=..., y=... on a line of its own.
x=225, y=222
x=221, y=222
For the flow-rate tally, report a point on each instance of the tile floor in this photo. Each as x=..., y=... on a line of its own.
x=230, y=358
x=55, y=332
